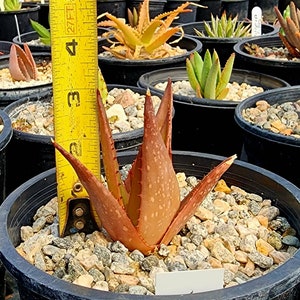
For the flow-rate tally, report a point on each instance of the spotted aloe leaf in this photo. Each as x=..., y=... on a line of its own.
x=22, y=66
x=145, y=210
x=142, y=35
x=206, y=77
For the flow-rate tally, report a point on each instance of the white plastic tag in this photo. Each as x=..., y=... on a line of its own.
x=188, y=282
x=256, y=15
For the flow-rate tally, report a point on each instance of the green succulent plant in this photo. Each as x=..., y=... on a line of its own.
x=225, y=27
x=43, y=32
x=206, y=76
x=10, y=5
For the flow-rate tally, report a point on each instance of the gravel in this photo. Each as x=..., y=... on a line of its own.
x=237, y=92
x=125, y=110
x=233, y=229
x=44, y=77
x=283, y=118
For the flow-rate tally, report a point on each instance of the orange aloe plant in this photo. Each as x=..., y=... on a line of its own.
x=290, y=26
x=143, y=38
x=145, y=210
x=22, y=66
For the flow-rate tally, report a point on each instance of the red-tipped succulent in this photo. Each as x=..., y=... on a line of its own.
x=22, y=66
x=145, y=210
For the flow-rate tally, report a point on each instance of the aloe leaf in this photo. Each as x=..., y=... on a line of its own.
x=191, y=74
x=46, y=41
x=164, y=116
x=40, y=29
x=209, y=30
x=113, y=217
x=102, y=87
x=189, y=205
x=198, y=65
x=225, y=75
x=150, y=31
x=130, y=35
x=211, y=82
x=156, y=174
x=10, y=5
x=160, y=40
x=207, y=63
x=223, y=94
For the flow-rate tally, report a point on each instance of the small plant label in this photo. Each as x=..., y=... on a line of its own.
x=188, y=282
x=256, y=14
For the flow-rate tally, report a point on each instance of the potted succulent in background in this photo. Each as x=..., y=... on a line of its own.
x=14, y=18
x=142, y=44
x=200, y=119
x=146, y=176
x=23, y=73
x=222, y=33
x=274, y=54
x=270, y=124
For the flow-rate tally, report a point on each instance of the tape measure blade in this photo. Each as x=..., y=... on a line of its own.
x=74, y=49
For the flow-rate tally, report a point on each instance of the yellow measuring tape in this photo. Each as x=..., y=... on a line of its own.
x=74, y=50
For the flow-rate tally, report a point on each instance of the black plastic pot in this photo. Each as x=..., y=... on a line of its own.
x=156, y=7
x=206, y=125
x=285, y=69
x=223, y=46
x=5, y=47
x=213, y=7
x=5, y=137
x=235, y=7
x=264, y=148
x=20, y=206
x=32, y=154
x=27, y=38
x=267, y=7
x=43, y=12
x=127, y=72
x=7, y=96
x=114, y=7
x=184, y=17
x=8, y=28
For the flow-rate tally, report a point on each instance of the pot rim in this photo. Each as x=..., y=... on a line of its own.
x=283, y=274
x=152, y=62
x=268, y=41
x=7, y=131
x=179, y=73
x=253, y=129
x=46, y=139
